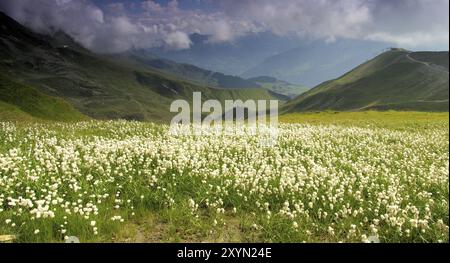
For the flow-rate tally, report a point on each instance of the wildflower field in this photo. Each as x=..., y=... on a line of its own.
x=330, y=178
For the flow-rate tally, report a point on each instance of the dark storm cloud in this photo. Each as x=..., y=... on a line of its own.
x=407, y=23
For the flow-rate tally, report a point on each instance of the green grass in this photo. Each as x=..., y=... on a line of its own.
x=389, y=119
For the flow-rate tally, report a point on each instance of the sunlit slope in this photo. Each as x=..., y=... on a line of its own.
x=25, y=101
x=98, y=86
x=9, y=112
x=397, y=79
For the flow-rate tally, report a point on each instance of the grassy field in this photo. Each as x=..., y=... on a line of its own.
x=331, y=177
x=386, y=119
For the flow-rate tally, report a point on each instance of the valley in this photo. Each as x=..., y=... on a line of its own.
x=87, y=152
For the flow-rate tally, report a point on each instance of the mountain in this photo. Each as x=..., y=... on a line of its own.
x=397, y=79
x=313, y=62
x=279, y=86
x=295, y=60
x=205, y=77
x=97, y=86
x=232, y=58
x=186, y=72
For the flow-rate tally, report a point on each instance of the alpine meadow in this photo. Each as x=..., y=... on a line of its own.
x=356, y=148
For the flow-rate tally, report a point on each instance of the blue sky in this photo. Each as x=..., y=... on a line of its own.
x=115, y=26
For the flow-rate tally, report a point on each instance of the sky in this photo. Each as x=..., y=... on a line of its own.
x=117, y=26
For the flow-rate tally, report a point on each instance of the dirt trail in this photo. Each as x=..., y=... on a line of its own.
x=428, y=64
x=418, y=61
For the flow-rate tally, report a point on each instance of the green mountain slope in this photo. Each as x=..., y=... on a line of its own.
x=25, y=101
x=397, y=79
x=9, y=112
x=98, y=86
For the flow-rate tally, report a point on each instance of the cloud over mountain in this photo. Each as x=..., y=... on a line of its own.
x=118, y=26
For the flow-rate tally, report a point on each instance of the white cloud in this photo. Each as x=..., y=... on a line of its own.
x=409, y=23
x=177, y=40
x=406, y=23
x=222, y=32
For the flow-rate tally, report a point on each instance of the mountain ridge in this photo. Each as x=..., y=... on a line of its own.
x=395, y=80
x=186, y=71
x=96, y=85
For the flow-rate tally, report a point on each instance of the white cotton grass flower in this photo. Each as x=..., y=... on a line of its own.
x=117, y=218
x=382, y=180
x=71, y=239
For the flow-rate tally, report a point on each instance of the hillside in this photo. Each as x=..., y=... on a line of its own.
x=98, y=86
x=25, y=101
x=9, y=112
x=397, y=79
